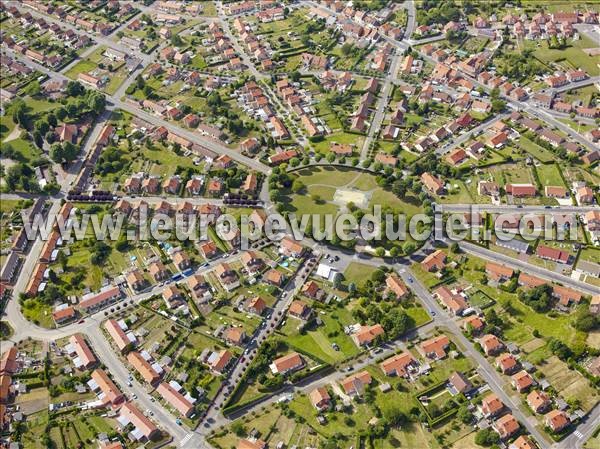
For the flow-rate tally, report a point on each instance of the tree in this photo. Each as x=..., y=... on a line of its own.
x=394, y=416
x=538, y=298
x=176, y=40
x=347, y=48
x=297, y=186
x=38, y=139
x=238, y=428
x=20, y=115
x=584, y=321
x=74, y=89
x=65, y=153
x=100, y=253
x=96, y=102
x=559, y=349
x=464, y=415
x=351, y=288
x=486, y=437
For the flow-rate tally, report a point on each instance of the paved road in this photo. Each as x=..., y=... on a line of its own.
x=465, y=137
x=576, y=85
x=213, y=417
x=382, y=104
x=584, y=431
x=427, y=40
x=543, y=273
x=509, y=208
x=157, y=121
x=100, y=39
x=485, y=369
x=120, y=374
x=412, y=18
x=91, y=325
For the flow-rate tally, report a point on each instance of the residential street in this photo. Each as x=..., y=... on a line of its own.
x=91, y=326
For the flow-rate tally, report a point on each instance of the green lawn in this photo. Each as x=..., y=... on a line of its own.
x=39, y=313
x=341, y=138
x=549, y=175
x=358, y=273
x=571, y=57
x=318, y=340
x=590, y=254
x=538, y=152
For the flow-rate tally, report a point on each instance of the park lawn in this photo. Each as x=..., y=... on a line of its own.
x=328, y=176
x=538, y=152
x=569, y=383
x=409, y=206
x=549, y=175
x=305, y=205
x=25, y=148
x=365, y=182
x=358, y=273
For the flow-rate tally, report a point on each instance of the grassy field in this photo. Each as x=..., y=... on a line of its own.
x=549, y=175
x=538, y=152
x=358, y=273
x=323, y=182
x=571, y=57
x=38, y=313
x=92, y=63
x=590, y=254
x=318, y=340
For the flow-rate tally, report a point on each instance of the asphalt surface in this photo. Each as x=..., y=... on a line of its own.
x=91, y=326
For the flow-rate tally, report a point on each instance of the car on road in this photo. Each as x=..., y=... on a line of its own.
x=410, y=280
x=81, y=321
x=432, y=312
